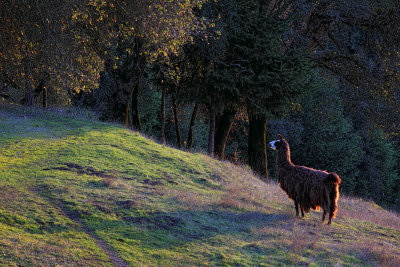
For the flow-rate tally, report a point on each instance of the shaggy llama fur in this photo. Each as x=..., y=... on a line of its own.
x=307, y=187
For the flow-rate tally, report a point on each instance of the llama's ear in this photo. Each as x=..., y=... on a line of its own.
x=281, y=137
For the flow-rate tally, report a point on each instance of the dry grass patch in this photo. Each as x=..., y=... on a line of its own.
x=373, y=253
x=246, y=190
x=110, y=181
x=302, y=238
x=188, y=199
x=359, y=209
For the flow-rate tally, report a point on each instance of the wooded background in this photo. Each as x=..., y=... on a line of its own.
x=223, y=76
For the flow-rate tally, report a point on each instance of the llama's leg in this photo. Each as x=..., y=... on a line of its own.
x=333, y=205
x=296, y=206
x=332, y=213
x=302, y=211
x=324, y=215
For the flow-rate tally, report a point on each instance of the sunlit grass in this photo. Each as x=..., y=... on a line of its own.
x=68, y=184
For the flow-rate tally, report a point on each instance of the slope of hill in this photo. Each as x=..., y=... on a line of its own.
x=78, y=192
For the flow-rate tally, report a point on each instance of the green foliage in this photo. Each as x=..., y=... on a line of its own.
x=216, y=72
x=379, y=170
x=106, y=100
x=150, y=103
x=329, y=140
x=243, y=60
x=269, y=75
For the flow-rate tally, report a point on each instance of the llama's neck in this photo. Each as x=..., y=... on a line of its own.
x=283, y=159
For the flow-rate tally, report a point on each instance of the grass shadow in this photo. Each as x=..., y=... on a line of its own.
x=169, y=230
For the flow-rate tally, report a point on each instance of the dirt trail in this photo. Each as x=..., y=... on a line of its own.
x=115, y=259
x=111, y=253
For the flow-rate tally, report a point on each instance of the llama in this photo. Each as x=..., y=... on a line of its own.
x=307, y=187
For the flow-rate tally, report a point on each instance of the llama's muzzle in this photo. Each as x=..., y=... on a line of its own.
x=272, y=144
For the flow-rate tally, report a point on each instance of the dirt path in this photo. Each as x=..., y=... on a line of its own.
x=111, y=253
x=115, y=259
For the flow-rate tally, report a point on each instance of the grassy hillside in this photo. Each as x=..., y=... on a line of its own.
x=78, y=192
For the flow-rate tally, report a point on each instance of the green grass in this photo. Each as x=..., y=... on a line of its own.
x=80, y=192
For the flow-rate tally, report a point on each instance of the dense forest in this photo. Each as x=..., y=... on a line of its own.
x=223, y=77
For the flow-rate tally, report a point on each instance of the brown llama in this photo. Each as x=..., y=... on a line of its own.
x=307, y=187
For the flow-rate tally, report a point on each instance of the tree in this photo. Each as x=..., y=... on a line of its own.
x=354, y=41
x=149, y=31
x=226, y=75
x=37, y=52
x=224, y=126
x=70, y=42
x=207, y=78
x=269, y=74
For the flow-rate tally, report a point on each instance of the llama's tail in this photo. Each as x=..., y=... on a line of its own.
x=333, y=178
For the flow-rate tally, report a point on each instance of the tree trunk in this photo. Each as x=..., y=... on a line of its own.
x=177, y=129
x=211, y=135
x=29, y=94
x=163, y=116
x=132, y=116
x=45, y=102
x=189, y=142
x=257, y=145
x=41, y=89
x=222, y=133
x=136, y=122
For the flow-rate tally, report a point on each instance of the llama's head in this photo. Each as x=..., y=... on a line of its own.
x=278, y=144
